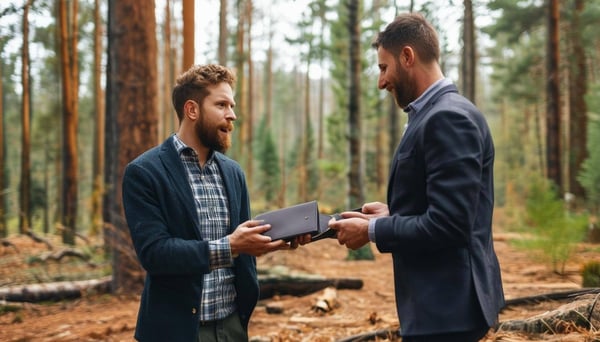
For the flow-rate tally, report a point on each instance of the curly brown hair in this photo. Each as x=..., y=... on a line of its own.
x=193, y=84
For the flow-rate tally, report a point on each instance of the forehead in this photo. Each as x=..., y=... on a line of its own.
x=221, y=91
x=384, y=56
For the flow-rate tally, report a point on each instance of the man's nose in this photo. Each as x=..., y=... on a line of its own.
x=381, y=83
x=230, y=115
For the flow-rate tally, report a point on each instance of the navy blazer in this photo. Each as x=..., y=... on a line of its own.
x=441, y=198
x=161, y=215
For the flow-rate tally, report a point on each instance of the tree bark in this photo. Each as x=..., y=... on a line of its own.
x=188, y=33
x=70, y=96
x=223, y=32
x=131, y=120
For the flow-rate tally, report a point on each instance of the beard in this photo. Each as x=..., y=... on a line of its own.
x=212, y=136
x=404, y=88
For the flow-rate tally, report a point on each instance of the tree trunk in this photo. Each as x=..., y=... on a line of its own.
x=238, y=147
x=355, y=174
x=167, y=117
x=25, y=188
x=577, y=105
x=70, y=96
x=131, y=119
x=98, y=162
x=469, y=58
x=188, y=33
x=3, y=228
x=223, y=32
x=553, y=150
x=250, y=108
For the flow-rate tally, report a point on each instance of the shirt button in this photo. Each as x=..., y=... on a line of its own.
x=194, y=311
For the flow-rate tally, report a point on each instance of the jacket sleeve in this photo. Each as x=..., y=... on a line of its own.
x=164, y=240
x=449, y=151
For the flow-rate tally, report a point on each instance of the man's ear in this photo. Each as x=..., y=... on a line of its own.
x=191, y=109
x=407, y=56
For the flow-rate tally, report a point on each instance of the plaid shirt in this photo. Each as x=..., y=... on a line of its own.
x=218, y=294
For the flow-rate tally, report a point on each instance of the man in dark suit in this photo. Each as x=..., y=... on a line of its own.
x=188, y=211
x=438, y=219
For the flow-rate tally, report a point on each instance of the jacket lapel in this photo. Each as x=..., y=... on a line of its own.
x=178, y=178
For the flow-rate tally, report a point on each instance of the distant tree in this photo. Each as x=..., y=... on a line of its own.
x=269, y=163
x=249, y=113
x=469, y=53
x=99, y=119
x=237, y=150
x=131, y=119
x=355, y=174
x=25, y=185
x=223, y=32
x=577, y=105
x=68, y=31
x=553, y=109
x=3, y=227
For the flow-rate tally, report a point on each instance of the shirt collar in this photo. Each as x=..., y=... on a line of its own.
x=417, y=105
x=181, y=148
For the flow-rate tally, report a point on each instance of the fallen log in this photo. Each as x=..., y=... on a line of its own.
x=54, y=291
x=301, y=285
x=582, y=313
x=550, y=296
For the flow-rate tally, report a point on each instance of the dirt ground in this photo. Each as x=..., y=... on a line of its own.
x=371, y=308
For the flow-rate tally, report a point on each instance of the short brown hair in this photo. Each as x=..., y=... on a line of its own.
x=193, y=83
x=410, y=29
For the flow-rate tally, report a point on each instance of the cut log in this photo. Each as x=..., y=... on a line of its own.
x=582, y=313
x=54, y=291
x=327, y=301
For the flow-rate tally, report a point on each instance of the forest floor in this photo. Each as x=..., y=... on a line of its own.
x=96, y=317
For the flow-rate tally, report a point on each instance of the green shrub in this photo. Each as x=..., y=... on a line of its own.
x=591, y=274
x=555, y=231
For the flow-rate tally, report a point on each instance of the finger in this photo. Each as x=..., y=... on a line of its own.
x=352, y=214
x=259, y=229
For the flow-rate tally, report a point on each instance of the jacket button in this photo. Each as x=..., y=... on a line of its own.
x=194, y=311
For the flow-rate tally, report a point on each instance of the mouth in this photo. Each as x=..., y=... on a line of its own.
x=226, y=128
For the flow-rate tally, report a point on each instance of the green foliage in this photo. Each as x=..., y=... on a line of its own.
x=363, y=253
x=591, y=274
x=268, y=159
x=554, y=229
x=589, y=177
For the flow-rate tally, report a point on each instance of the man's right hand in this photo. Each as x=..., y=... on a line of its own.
x=247, y=238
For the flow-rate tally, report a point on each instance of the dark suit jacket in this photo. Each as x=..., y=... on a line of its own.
x=161, y=214
x=441, y=197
